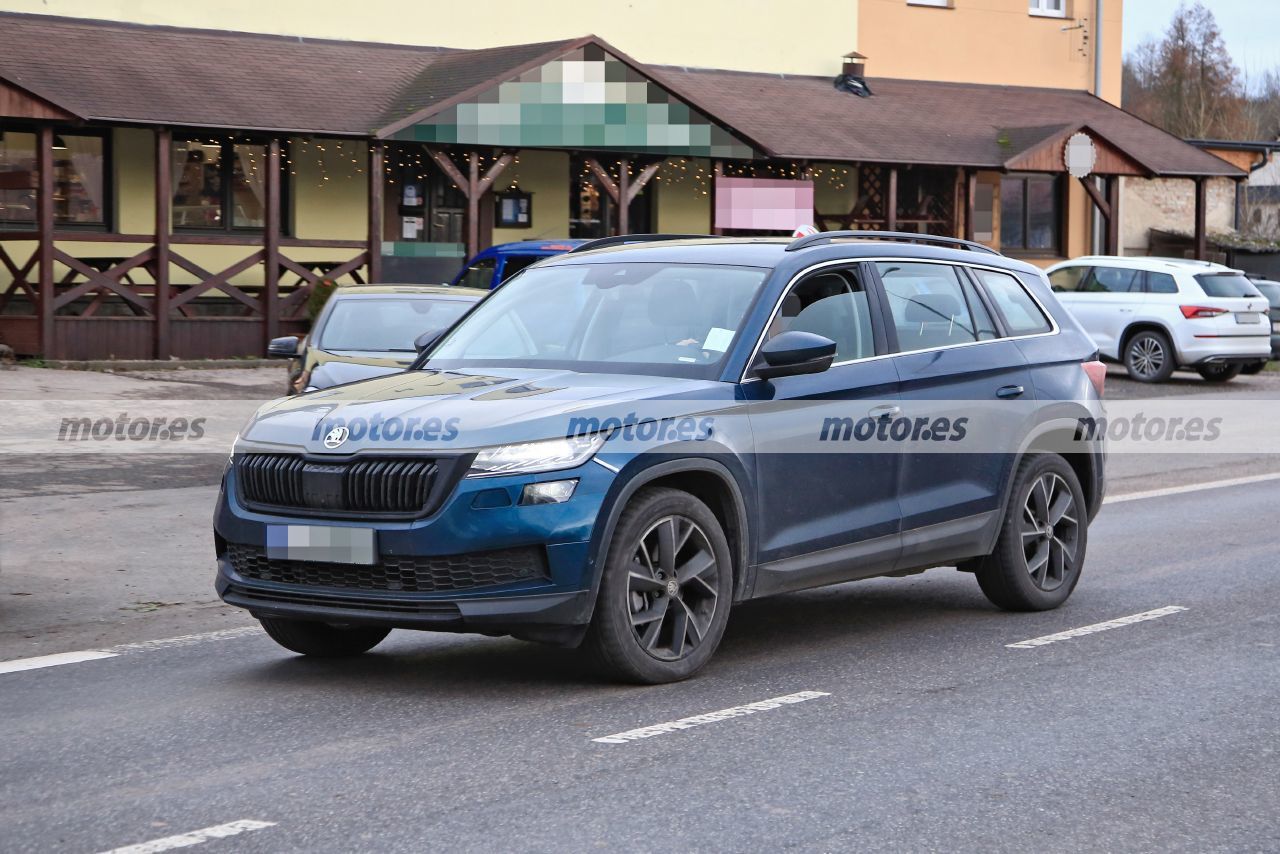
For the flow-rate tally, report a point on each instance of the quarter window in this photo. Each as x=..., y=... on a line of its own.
x=930, y=307
x=1161, y=283
x=1021, y=314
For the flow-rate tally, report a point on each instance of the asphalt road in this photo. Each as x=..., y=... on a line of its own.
x=1160, y=735
x=924, y=731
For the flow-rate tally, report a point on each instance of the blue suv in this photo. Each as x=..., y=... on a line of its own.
x=622, y=442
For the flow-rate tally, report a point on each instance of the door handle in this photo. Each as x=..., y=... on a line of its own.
x=1009, y=392
x=884, y=413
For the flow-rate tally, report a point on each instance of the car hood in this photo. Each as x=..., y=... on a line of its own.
x=465, y=409
x=328, y=374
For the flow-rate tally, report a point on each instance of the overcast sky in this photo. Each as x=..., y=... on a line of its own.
x=1251, y=28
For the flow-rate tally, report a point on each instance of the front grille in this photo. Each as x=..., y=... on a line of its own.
x=401, y=486
x=396, y=573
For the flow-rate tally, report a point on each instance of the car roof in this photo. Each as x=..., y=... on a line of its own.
x=770, y=252
x=1154, y=264
x=424, y=290
x=550, y=246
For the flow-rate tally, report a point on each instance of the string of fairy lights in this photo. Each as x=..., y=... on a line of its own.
x=336, y=161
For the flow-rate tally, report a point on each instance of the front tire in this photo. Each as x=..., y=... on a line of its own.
x=322, y=640
x=1219, y=373
x=665, y=591
x=1041, y=548
x=1149, y=357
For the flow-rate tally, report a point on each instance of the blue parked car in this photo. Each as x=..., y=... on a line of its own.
x=622, y=443
x=495, y=265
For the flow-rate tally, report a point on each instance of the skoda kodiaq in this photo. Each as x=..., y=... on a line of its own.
x=622, y=442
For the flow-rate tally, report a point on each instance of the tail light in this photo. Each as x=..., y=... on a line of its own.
x=1190, y=312
x=1097, y=372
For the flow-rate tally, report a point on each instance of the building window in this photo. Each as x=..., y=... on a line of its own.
x=81, y=167
x=221, y=185
x=1031, y=214
x=1049, y=8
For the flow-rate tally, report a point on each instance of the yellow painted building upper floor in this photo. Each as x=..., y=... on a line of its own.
x=1021, y=42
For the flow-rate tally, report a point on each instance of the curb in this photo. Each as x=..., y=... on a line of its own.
x=160, y=364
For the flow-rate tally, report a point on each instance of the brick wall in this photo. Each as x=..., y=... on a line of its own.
x=1170, y=204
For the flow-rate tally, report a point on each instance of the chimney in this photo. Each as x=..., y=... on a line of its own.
x=855, y=65
x=852, y=77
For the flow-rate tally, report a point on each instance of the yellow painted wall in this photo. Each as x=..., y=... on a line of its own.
x=545, y=174
x=684, y=206
x=990, y=41
x=750, y=35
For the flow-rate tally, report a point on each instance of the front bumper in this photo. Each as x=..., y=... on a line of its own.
x=475, y=520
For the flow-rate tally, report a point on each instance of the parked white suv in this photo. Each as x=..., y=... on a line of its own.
x=1155, y=315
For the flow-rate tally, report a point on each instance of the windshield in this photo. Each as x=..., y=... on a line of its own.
x=637, y=318
x=1226, y=285
x=387, y=323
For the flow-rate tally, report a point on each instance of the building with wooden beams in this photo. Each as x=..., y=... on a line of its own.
x=173, y=192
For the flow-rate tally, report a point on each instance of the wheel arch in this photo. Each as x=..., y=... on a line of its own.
x=710, y=481
x=1148, y=325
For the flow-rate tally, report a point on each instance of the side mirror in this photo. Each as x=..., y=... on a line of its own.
x=793, y=353
x=427, y=340
x=284, y=348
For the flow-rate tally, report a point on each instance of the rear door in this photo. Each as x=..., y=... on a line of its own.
x=955, y=363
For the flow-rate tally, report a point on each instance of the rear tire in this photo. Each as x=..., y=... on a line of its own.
x=1149, y=357
x=665, y=591
x=1041, y=548
x=322, y=640
x=1219, y=373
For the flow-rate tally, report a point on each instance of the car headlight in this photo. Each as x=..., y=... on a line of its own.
x=534, y=457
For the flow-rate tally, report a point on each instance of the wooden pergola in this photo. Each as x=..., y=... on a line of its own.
x=163, y=321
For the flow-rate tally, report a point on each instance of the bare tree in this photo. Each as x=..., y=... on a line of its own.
x=1186, y=82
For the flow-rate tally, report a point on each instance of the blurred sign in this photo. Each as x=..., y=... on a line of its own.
x=763, y=204
x=1080, y=155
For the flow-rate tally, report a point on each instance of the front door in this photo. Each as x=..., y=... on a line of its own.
x=828, y=510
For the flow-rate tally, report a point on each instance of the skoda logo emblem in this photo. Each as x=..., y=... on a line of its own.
x=336, y=437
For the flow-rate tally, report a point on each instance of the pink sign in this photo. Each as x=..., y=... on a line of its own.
x=763, y=204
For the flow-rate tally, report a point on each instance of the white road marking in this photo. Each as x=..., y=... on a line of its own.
x=53, y=660
x=187, y=640
x=195, y=837
x=21, y=664
x=710, y=717
x=1097, y=627
x=1191, y=487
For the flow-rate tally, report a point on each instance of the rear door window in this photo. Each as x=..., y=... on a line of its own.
x=1226, y=285
x=1021, y=314
x=930, y=307
x=1113, y=280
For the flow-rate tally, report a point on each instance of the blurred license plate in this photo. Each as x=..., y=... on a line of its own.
x=1248, y=317
x=322, y=543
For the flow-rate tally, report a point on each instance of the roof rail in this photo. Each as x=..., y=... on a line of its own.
x=623, y=239
x=897, y=236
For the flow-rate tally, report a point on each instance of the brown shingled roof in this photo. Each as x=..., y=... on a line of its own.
x=110, y=72
x=915, y=121
x=207, y=78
